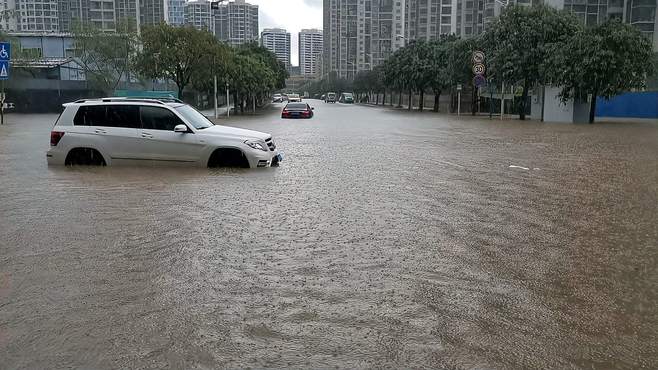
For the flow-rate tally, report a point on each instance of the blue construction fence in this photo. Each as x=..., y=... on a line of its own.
x=629, y=105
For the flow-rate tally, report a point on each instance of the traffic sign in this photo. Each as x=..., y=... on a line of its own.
x=4, y=69
x=5, y=51
x=478, y=57
x=478, y=69
x=479, y=81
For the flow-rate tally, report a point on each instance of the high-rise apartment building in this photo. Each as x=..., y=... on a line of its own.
x=642, y=14
x=152, y=11
x=198, y=14
x=360, y=34
x=277, y=41
x=127, y=11
x=310, y=52
x=236, y=22
x=175, y=12
x=429, y=19
x=8, y=21
x=37, y=15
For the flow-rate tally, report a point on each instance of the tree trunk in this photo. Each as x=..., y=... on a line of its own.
x=400, y=99
x=592, y=108
x=384, y=98
x=377, y=99
x=437, y=96
x=410, y=102
x=421, y=102
x=180, y=91
x=524, y=98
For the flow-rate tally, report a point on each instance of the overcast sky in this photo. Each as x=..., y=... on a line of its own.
x=293, y=15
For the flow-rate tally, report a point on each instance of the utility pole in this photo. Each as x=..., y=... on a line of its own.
x=215, y=95
x=502, y=101
x=228, y=102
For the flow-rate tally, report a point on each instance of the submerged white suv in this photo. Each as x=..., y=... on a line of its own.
x=112, y=131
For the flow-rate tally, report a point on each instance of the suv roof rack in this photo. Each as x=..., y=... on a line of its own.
x=158, y=100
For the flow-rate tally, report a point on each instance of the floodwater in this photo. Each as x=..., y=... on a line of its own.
x=385, y=239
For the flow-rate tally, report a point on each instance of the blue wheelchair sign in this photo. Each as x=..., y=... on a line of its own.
x=5, y=51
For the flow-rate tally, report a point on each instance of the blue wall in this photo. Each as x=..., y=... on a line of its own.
x=630, y=105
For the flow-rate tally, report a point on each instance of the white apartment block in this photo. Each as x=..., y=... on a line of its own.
x=277, y=41
x=310, y=52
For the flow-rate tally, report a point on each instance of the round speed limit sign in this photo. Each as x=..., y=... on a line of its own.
x=478, y=57
x=478, y=69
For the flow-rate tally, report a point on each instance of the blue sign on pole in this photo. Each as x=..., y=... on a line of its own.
x=5, y=56
x=4, y=69
x=5, y=51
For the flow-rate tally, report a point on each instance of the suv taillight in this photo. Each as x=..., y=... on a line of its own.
x=55, y=137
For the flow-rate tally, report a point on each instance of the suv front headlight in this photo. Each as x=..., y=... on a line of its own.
x=256, y=145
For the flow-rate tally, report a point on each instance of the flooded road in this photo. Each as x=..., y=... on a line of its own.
x=385, y=239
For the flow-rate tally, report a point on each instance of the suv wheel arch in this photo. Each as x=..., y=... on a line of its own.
x=228, y=157
x=84, y=157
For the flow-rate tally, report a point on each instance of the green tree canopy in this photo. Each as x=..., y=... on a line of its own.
x=181, y=54
x=601, y=61
x=518, y=43
x=106, y=57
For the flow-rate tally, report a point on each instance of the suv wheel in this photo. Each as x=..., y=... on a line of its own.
x=84, y=157
x=228, y=157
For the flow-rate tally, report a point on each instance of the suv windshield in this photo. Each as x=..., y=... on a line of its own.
x=194, y=117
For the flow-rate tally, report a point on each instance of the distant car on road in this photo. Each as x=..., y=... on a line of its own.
x=322, y=97
x=277, y=98
x=347, y=98
x=113, y=131
x=297, y=110
x=330, y=98
x=294, y=98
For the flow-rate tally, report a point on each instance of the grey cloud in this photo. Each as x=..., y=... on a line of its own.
x=313, y=3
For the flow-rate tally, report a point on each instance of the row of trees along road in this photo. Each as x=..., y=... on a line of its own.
x=187, y=56
x=525, y=46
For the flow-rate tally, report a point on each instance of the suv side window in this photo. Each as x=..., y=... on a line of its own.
x=90, y=115
x=125, y=116
x=156, y=118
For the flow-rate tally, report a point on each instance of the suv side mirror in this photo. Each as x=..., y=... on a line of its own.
x=312, y=108
x=181, y=128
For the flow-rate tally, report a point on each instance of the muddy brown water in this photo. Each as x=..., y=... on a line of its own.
x=385, y=239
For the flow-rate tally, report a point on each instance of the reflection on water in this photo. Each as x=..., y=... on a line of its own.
x=384, y=239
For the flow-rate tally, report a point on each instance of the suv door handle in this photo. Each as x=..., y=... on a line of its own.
x=146, y=135
x=100, y=131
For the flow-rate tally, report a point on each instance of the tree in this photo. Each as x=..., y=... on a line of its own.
x=268, y=59
x=181, y=54
x=602, y=61
x=518, y=43
x=106, y=58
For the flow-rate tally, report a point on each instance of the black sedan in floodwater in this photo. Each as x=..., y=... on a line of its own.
x=297, y=110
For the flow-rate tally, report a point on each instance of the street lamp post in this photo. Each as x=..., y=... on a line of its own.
x=228, y=102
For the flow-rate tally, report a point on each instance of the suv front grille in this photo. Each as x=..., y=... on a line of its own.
x=270, y=144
